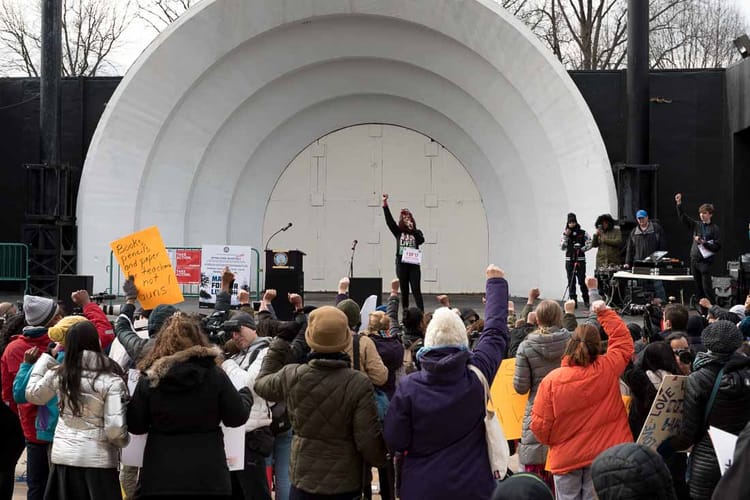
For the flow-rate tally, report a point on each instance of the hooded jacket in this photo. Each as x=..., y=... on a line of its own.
x=730, y=413
x=10, y=365
x=578, y=410
x=94, y=438
x=436, y=416
x=332, y=411
x=608, y=244
x=538, y=354
x=180, y=403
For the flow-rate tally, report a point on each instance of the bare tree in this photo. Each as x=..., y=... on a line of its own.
x=158, y=14
x=91, y=30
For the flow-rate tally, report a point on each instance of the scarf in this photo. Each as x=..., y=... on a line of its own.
x=704, y=358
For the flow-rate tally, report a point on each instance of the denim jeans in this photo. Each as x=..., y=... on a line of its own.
x=279, y=460
x=37, y=469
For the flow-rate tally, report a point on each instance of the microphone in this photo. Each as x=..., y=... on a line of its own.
x=287, y=227
x=277, y=232
x=354, y=245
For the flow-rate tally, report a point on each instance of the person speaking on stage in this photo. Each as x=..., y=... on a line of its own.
x=408, y=254
x=706, y=242
x=575, y=243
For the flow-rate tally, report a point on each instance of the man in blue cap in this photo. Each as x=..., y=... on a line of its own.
x=646, y=238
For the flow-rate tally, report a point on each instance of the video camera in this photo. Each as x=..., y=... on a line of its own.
x=218, y=328
x=652, y=315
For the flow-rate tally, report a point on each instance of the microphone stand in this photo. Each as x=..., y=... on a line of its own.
x=277, y=232
x=351, y=261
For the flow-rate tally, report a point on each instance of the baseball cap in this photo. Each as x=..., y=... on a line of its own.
x=244, y=319
x=641, y=214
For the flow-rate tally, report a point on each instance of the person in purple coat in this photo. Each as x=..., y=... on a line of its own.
x=436, y=416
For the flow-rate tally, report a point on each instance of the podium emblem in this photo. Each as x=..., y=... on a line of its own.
x=280, y=259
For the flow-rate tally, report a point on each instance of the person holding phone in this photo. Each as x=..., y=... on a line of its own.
x=408, y=254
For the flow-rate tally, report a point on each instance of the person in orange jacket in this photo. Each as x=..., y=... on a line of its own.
x=578, y=411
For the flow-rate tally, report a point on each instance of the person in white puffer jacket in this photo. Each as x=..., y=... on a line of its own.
x=92, y=425
x=242, y=369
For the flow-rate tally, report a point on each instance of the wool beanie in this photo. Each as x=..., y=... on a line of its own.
x=722, y=337
x=158, y=317
x=445, y=329
x=328, y=330
x=631, y=471
x=468, y=312
x=572, y=218
x=739, y=310
x=38, y=310
x=351, y=309
x=58, y=332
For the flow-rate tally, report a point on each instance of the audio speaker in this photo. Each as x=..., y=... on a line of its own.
x=361, y=288
x=69, y=283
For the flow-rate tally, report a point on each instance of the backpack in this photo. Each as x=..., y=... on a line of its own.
x=279, y=417
x=381, y=398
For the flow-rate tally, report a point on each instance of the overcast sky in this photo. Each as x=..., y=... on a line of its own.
x=139, y=36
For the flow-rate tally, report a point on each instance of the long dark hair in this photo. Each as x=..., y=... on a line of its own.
x=12, y=326
x=81, y=337
x=659, y=356
x=402, y=221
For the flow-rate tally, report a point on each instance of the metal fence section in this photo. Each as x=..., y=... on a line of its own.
x=14, y=263
x=189, y=290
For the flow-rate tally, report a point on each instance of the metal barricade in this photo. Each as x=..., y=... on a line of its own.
x=189, y=290
x=14, y=263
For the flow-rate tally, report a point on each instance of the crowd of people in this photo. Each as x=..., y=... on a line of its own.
x=323, y=399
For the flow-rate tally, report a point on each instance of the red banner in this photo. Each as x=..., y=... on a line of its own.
x=188, y=268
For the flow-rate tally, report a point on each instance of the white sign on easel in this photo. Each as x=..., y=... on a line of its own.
x=214, y=258
x=234, y=439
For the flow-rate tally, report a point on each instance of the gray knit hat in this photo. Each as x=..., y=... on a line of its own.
x=351, y=309
x=631, y=471
x=722, y=337
x=38, y=310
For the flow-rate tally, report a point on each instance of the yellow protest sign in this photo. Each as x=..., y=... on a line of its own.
x=144, y=256
x=509, y=405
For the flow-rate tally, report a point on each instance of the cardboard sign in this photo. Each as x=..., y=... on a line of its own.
x=666, y=413
x=214, y=258
x=234, y=439
x=510, y=405
x=188, y=266
x=144, y=256
x=724, y=443
x=411, y=256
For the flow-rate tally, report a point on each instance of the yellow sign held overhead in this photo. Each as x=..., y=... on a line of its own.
x=144, y=256
x=510, y=405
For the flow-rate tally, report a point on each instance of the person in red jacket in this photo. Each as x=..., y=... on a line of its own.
x=41, y=313
x=578, y=411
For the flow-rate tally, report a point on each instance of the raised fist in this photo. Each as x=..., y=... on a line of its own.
x=31, y=355
x=534, y=293
x=592, y=283
x=343, y=285
x=494, y=272
x=598, y=305
x=80, y=297
x=243, y=296
x=296, y=300
x=227, y=278
x=131, y=291
x=704, y=302
x=570, y=306
x=395, y=285
x=678, y=198
x=385, y=199
x=444, y=301
x=269, y=295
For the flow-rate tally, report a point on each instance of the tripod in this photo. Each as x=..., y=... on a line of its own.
x=570, y=287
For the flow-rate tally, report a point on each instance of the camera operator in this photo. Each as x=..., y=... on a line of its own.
x=576, y=242
x=681, y=348
x=608, y=240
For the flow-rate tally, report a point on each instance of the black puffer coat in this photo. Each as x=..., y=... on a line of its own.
x=631, y=471
x=730, y=412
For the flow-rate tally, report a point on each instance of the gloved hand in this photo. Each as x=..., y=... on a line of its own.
x=131, y=291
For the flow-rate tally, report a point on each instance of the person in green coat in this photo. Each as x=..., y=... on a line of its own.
x=608, y=240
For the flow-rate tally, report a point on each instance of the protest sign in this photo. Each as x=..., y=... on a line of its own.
x=724, y=444
x=666, y=412
x=144, y=256
x=509, y=405
x=234, y=439
x=188, y=266
x=214, y=258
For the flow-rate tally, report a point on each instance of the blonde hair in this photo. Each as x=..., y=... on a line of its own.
x=548, y=314
x=378, y=321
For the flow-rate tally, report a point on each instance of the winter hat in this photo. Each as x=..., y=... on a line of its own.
x=636, y=332
x=468, y=312
x=572, y=218
x=351, y=309
x=523, y=486
x=631, y=471
x=445, y=329
x=58, y=332
x=695, y=326
x=744, y=327
x=328, y=330
x=722, y=337
x=38, y=310
x=158, y=317
x=244, y=319
x=739, y=310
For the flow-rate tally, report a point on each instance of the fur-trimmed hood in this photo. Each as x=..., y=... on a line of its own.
x=184, y=368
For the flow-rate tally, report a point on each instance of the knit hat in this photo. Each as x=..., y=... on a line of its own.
x=739, y=310
x=468, y=312
x=524, y=485
x=631, y=471
x=722, y=337
x=327, y=330
x=38, y=310
x=158, y=317
x=58, y=332
x=572, y=218
x=244, y=319
x=351, y=309
x=445, y=329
